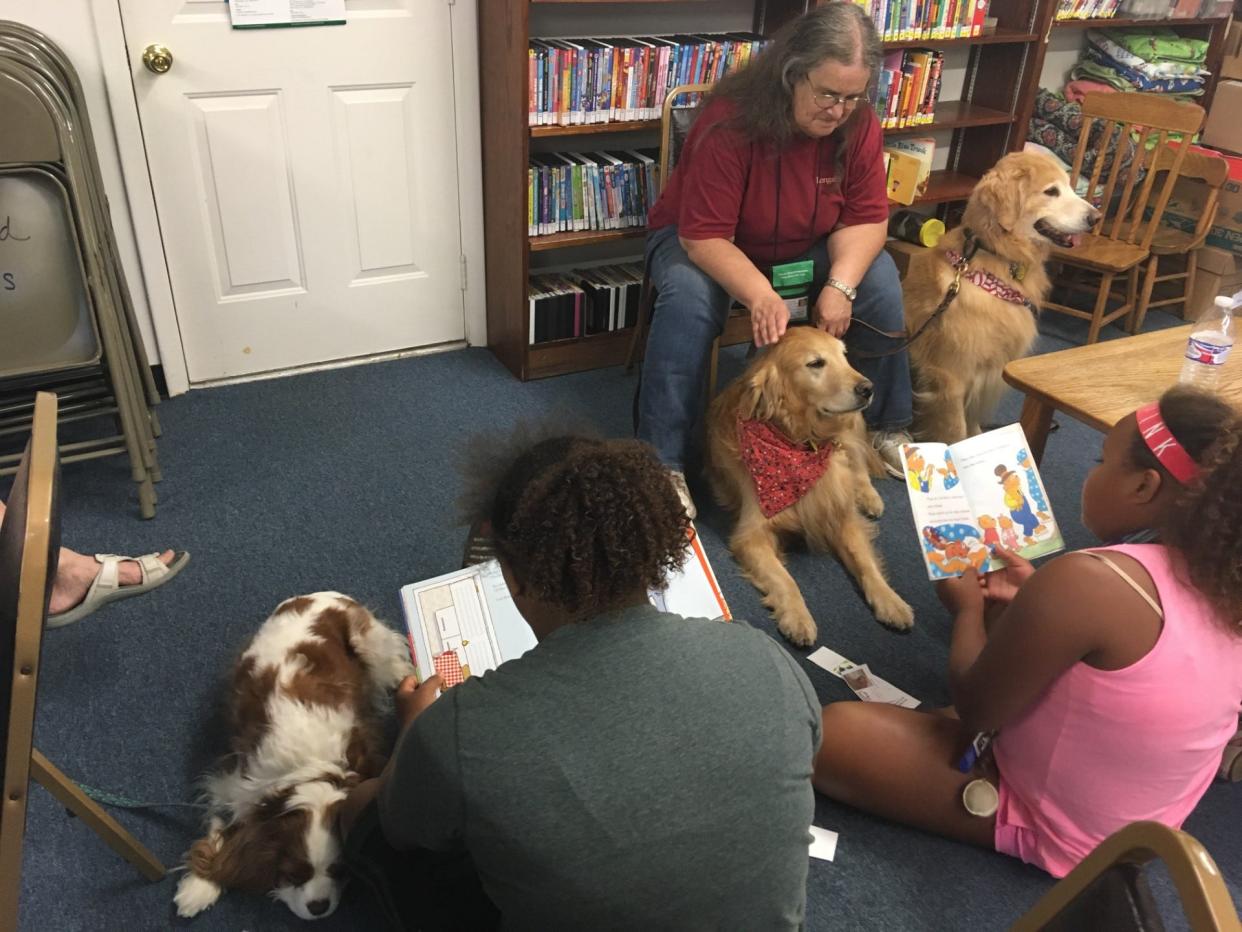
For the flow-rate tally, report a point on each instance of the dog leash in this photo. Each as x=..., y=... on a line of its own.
x=117, y=801
x=959, y=269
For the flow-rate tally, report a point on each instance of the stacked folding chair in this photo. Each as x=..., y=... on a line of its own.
x=66, y=320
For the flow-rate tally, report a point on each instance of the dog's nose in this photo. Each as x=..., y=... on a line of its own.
x=1093, y=217
x=864, y=390
x=318, y=907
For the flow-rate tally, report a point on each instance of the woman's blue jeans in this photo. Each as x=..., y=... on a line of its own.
x=690, y=312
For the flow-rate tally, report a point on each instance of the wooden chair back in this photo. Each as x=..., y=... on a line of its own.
x=1125, y=197
x=675, y=125
x=29, y=547
x=1212, y=171
x=1106, y=890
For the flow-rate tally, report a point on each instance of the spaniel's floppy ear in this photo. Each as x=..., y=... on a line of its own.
x=762, y=398
x=1001, y=194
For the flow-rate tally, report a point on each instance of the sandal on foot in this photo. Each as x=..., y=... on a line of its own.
x=106, y=586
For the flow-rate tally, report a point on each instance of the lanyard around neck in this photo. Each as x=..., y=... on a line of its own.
x=776, y=225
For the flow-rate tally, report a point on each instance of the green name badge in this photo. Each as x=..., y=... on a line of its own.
x=792, y=281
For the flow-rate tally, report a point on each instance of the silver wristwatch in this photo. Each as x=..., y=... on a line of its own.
x=842, y=287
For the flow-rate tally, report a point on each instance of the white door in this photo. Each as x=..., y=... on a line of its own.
x=305, y=181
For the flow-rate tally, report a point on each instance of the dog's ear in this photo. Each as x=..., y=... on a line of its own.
x=1001, y=193
x=762, y=398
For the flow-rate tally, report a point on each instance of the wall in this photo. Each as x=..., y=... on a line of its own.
x=71, y=25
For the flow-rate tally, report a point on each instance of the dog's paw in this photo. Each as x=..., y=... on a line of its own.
x=798, y=627
x=892, y=611
x=869, y=501
x=194, y=894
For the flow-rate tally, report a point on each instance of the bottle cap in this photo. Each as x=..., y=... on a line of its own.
x=931, y=231
x=980, y=798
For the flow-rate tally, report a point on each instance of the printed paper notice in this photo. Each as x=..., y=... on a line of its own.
x=268, y=14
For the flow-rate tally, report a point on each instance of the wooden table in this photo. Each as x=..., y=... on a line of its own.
x=1102, y=383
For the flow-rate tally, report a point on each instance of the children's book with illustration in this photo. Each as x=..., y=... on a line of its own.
x=465, y=623
x=975, y=494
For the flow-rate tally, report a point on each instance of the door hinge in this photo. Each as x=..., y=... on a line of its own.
x=463, y=262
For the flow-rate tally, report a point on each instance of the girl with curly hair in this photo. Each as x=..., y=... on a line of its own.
x=609, y=777
x=1112, y=677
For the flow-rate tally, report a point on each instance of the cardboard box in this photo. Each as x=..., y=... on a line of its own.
x=1218, y=272
x=1185, y=206
x=907, y=256
x=1231, y=64
x=1223, y=129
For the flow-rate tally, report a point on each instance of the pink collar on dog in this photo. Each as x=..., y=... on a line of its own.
x=987, y=281
x=783, y=471
x=1164, y=446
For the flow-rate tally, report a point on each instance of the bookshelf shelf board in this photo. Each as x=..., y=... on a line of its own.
x=583, y=238
x=955, y=114
x=1124, y=21
x=584, y=129
x=578, y=354
x=1012, y=36
x=946, y=186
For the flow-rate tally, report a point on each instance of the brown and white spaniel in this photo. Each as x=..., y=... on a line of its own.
x=307, y=703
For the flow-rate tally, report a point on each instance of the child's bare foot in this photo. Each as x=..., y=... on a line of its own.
x=76, y=571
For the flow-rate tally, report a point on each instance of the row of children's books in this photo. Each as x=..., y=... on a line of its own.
x=605, y=80
x=568, y=191
x=904, y=20
x=1087, y=9
x=908, y=88
x=583, y=302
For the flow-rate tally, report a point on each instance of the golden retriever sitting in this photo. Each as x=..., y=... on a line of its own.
x=787, y=452
x=1019, y=209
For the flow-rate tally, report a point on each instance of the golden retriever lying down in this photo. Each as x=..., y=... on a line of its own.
x=795, y=411
x=1019, y=209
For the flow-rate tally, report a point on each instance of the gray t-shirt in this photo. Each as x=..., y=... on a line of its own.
x=640, y=770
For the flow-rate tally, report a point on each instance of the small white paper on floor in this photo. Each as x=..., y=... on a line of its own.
x=865, y=684
x=823, y=843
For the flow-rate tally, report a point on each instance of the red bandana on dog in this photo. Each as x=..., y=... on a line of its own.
x=783, y=471
x=987, y=281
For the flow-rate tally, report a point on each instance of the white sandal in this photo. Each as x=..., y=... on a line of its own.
x=106, y=586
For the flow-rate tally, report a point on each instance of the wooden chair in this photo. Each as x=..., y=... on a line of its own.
x=29, y=548
x=1121, y=240
x=674, y=127
x=1211, y=171
x=1107, y=890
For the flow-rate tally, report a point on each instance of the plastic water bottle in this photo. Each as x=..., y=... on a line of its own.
x=1209, y=345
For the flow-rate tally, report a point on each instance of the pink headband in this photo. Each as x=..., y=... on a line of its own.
x=1164, y=446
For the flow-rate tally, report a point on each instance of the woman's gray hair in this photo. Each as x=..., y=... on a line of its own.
x=763, y=91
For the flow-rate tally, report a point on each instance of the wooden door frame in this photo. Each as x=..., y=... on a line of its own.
x=140, y=198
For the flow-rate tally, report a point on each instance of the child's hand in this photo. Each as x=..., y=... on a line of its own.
x=1003, y=585
x=962, y=593
x=413, y=697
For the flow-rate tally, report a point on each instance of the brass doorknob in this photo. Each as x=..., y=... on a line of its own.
x=157, y=58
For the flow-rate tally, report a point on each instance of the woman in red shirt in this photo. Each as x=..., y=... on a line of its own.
x=784, y=169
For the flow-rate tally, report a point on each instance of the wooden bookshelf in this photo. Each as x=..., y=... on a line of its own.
x=585, y=129
x=1122, y=22
x=583, y=238
x=1002, y=74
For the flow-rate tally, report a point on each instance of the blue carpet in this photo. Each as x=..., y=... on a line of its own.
x=345, y=480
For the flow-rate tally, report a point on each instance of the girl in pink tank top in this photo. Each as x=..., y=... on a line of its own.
x=1112, y=678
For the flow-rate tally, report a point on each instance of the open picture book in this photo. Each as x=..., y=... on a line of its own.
x=465, y=623
x=976, y=494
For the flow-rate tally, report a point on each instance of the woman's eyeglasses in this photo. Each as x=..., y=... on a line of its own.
x=828, y=101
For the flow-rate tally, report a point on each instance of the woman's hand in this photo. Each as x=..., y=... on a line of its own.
x=1002, y=585
x=833, y=312
x=961, y=594
x=768, y=318
x=412, y=698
